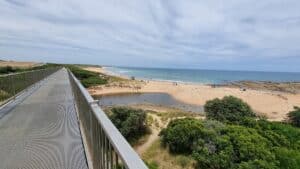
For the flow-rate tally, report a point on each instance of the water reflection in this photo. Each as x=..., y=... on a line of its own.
x=160, y=99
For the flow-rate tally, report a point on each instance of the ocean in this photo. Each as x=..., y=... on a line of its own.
x=203, y=76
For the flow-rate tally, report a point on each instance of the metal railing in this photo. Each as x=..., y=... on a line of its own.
x=107, y=147
x=12, y=84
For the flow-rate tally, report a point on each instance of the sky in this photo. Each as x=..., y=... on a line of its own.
x=215, y=34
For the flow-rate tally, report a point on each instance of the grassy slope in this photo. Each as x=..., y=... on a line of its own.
x=158, y=156
x=88, y=78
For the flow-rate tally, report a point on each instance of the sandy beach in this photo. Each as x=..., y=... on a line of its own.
x=272, y=104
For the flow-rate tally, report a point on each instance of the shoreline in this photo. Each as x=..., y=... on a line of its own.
x=229, y=83
x=272, y=104
x=108, y=72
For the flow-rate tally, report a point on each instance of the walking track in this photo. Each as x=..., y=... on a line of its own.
x=42, y=132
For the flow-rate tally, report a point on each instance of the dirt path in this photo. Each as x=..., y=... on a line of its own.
x=155, y=128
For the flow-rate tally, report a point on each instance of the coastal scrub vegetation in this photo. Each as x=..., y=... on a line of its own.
x=214, y=144
x=10, y=69
x=294, y=116
x=245, y=142
x=86, y=77
x=228, y=109
x=130, y=122
x=157, y=157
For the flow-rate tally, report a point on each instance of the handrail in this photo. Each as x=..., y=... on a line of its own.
x=23, y=72
x=107, y=147
x=12, y=84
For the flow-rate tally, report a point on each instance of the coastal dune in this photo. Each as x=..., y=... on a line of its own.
x=273, y=104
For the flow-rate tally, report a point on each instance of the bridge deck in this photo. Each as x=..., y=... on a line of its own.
x=42, y=131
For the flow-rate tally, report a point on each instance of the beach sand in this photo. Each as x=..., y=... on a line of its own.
x=273, y=104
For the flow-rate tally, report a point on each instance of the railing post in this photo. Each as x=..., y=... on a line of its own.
x=91, y=130
x=111, y=157
x=116, y=160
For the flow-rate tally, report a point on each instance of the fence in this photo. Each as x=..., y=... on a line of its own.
x=107, y=147
x=12, y=84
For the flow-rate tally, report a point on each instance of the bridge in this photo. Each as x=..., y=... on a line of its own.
x=49, y=121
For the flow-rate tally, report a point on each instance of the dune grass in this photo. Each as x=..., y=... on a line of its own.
x=158, y=157
x=88, y=78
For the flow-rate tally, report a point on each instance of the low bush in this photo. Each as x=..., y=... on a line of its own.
x=8, y=69
x=183, y=161
x=130, y=122
x=86, y=77
x=182, y=134
x=229, y=109
x=294, y=117
x=213, y=144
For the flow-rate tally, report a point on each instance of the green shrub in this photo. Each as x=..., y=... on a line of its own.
x=152, y=165
x=130, y=122
x=257, y=164
x=294, y=117
x=4, y=95
x=288, y=158
x=216, y=145
x=279, y=134
x=8, y=69
x=249, y=144
x=183, y=161
x=86, y=77
x=235, y=145
x=92, y=81
x=229, y=109
x=181, y=135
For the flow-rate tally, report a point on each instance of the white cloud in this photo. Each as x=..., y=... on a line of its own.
x=167, y=32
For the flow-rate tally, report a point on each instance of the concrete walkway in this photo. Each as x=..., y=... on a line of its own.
x=42, y=132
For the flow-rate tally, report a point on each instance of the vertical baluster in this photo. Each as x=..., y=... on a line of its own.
x=116, y=160
x=12, y=85
x=107, y=152
x=111, y=156
x=102, y=149
x=96, y=137
x=91, y=132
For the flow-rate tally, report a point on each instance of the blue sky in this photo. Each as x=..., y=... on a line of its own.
x=214, y=34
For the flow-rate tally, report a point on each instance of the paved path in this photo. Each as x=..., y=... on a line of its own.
x=42, y=132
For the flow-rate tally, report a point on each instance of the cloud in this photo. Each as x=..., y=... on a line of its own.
x=168, y=33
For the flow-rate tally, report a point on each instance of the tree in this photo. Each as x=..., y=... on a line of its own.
x=181, y=134
x=229, y=109
x=130, y=122
x=294, y=116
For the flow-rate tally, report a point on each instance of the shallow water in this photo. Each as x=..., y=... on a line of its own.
x=160, y=99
